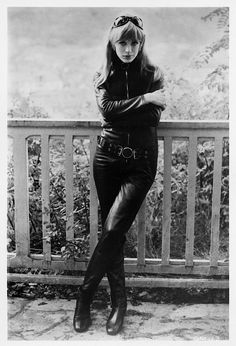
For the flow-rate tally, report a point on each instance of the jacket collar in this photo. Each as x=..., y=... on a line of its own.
x=120, y=65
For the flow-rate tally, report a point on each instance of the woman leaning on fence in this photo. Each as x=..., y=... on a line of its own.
x=129, y=94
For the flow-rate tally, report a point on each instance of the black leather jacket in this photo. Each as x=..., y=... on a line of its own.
x=120, y=99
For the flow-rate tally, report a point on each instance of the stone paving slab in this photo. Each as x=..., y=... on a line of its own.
x=44, y=319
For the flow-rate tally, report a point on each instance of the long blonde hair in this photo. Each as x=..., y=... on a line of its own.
x=129, y=31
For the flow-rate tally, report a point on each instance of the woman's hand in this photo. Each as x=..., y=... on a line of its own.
x=156, y=97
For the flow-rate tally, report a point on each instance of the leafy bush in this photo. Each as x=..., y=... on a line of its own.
x=56, y=229
x=203, y=203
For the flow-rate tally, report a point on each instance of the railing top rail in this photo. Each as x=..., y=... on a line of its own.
x=96, y=124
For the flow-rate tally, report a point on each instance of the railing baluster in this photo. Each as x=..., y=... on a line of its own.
x=166, y=201
x=45, y=197
x=22, y=235
x=215, y=219
x=141, y=234
x=192, y=165
x=93, y=198
x=69, y=186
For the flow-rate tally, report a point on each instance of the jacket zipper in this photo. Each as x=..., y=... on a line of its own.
x=127, y=96
x=127, y=85
x=128, y=139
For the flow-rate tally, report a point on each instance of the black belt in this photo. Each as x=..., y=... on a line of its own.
x=119, y=150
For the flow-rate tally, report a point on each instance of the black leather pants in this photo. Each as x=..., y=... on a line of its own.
x=122, y=185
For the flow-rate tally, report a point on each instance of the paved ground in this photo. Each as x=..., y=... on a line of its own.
x=43, y=319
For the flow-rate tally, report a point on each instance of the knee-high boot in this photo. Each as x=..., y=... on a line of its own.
x=104, y=254
x=116, y=278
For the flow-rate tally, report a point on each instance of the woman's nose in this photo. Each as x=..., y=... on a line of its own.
x=128, y=48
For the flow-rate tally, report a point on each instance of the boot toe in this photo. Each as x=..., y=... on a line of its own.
x=82, y=325
x=113, y=329
x=115, y=321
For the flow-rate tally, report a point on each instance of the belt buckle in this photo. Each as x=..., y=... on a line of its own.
x=127, y=152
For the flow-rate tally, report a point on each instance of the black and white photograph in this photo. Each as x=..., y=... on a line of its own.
x=117, y=171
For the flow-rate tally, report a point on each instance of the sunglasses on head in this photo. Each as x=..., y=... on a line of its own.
x=122, y=20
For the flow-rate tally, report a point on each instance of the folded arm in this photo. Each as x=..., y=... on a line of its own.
x=111, y=108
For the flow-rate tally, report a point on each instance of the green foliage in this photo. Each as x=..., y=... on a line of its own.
x=222, y=16
x=203, y=203
x=55, y=234
x=10, y=206
x=206, y=100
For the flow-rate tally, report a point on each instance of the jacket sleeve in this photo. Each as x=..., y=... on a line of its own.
x=157, y=84
x=111, y=108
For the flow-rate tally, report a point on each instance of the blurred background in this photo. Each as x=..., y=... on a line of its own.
x=53, y=54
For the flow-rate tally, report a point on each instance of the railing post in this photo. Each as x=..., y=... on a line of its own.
x=166, y=201
x=192, y=164
x=215, y=219
x=22, y=235
x=70, y=263
x=141, y=234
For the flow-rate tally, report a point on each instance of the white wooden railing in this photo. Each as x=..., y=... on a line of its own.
x=19, y=130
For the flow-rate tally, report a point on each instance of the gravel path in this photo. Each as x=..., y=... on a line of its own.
x=43, y=319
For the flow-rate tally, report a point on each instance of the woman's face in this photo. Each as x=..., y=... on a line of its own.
x=127, y=50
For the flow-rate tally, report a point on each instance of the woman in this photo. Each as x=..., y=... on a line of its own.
x=128, y=95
